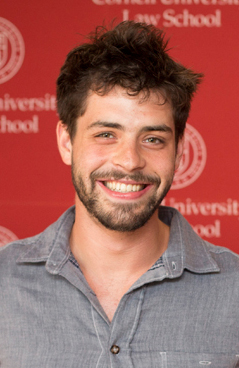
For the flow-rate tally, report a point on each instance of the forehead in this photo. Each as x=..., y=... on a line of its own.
x=119, y=104
x=117, y=92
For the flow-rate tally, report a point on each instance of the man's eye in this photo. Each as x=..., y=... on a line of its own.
x=153, y=140
x=105, y=135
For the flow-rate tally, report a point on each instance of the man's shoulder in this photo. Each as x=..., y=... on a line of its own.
x=226, y=259
x=199, y=254
x=40, y=244
x=12, y=250
x=9, y=255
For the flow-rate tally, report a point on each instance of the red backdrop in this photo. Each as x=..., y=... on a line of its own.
x=35, y=37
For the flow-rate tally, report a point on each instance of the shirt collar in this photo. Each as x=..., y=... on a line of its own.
x=52, y=245
x=186, y=250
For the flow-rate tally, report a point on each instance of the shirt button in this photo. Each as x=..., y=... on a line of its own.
x=114, y=349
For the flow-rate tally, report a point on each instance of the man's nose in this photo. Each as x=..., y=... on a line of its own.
x=128, y=156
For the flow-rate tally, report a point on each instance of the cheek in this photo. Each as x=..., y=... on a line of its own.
x=162, y=163
x=89, y=157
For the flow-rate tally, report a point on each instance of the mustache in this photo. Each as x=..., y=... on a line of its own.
x=117, y=175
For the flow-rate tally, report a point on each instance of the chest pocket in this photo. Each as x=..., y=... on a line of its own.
x=199, y=360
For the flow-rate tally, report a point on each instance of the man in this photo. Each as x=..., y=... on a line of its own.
x=118, y=281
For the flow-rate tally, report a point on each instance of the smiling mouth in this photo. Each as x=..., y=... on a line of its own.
x=122, y=187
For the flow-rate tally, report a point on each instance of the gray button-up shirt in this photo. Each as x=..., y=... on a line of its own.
x=183, y=313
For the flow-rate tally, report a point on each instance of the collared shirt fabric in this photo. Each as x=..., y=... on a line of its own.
x=182, y=313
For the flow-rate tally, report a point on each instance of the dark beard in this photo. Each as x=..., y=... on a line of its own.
x=124, y=217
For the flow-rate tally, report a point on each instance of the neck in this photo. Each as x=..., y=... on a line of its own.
x=108, y=251
x=112, y=261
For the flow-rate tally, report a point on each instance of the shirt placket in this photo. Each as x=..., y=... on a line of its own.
x=115, y=338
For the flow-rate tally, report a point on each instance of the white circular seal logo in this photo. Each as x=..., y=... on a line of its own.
x=6, y=236
x=12, y=50
x=193, y=160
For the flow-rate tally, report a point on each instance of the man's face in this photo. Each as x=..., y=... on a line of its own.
x=124, y=157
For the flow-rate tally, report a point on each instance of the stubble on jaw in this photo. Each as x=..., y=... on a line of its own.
x=125, y=217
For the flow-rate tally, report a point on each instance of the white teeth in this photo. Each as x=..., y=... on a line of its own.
x=122, y=187
x=129, y=188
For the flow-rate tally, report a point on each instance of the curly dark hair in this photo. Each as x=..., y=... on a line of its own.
x=133, y=56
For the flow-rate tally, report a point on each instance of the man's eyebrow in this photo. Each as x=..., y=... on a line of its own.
x=157, y=128
x=148, y=128
x=105, y=124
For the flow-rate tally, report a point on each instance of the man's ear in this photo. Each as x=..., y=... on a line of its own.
x=179, y=152
x=64, y=142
